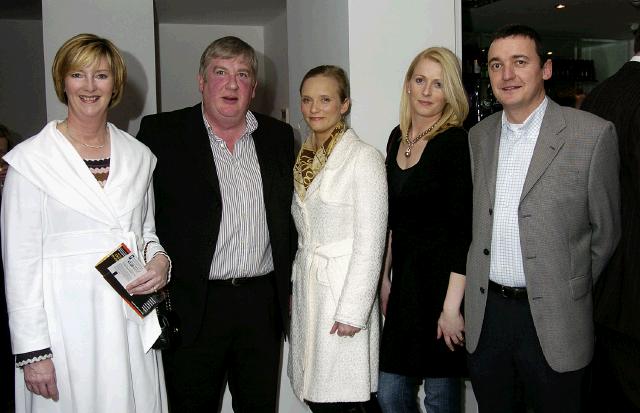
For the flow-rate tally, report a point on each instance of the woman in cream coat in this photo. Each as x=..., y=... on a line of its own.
x=78, y=347
x=340, y=211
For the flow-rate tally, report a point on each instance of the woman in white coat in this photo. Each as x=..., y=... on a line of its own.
x=340, y=211
x=72, y=194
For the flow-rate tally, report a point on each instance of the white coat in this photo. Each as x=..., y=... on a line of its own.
x=57, y=222
x=341, y=227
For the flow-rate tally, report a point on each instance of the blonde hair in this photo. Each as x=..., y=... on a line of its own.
x=83, y=50
x=456, y=108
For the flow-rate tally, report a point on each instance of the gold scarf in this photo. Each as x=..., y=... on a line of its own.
x=310, y=162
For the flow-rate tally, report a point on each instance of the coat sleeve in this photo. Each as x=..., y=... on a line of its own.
x=604, y=199
x=152, y=244
x=22, y=238
x=370, y=223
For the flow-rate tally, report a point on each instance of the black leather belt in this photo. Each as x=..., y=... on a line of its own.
x=238, y=282
x=508, y=292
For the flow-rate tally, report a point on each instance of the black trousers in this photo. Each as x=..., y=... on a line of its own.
x=509, y=357
x=240, y=342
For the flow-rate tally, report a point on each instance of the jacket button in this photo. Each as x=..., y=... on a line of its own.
x=490, y=211
x=486, y=251
x=481, y=290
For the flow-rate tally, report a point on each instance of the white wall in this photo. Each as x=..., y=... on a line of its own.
x=180, y=47
x=130, y=26
x=22, y=80
x=382, y=42
x=318, y=33
x=275, y=88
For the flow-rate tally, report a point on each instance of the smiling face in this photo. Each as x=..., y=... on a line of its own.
x=517, y=78
x=426, y=94
x=321, y=105
x=89, y=90
x=227, y=87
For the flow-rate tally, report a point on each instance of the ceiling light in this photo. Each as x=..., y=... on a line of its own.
x=560, y=6
x=549, y=53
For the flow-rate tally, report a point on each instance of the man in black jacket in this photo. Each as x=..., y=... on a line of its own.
x=616, y=364
x=223, y=188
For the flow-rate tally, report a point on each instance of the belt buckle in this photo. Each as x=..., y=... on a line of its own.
x=503, y=291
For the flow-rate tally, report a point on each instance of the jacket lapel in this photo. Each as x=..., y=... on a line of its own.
x=197, y=140
x=264, y=154
x=550, y=140
x=53, y=165
x=491, y=146
x=129, y=166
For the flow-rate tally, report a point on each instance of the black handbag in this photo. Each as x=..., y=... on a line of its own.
x=169, y=325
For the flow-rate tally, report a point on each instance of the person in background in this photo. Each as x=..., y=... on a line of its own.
x=429, y=177
x=340, y=212
x=616, y=364
x=6, y=357
x=546, y=220
x=223, y=192
x=5, y=145
x=72, y=194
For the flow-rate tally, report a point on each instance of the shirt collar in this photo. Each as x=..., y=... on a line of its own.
x=635, y=58
x=250, y=120
x=524, y=126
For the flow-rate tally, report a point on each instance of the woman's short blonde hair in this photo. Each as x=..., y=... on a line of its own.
x=456, y=108
x=83, y=50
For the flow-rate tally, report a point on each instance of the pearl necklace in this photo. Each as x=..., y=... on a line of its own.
x=66, y=124
x=410, y=142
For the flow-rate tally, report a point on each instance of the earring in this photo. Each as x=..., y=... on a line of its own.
x=408, y=91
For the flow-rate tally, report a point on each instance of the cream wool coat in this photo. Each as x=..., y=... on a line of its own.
x=341, y=227
x=57, y=222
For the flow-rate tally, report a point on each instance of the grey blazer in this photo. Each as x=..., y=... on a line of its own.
x=569, y=220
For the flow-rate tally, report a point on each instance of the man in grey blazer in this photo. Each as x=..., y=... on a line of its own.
x=545, y=221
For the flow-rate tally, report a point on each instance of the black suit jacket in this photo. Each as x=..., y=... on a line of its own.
x=617, y=99
x=189, y=205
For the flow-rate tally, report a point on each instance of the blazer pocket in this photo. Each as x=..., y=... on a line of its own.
x=331, y=263
x=580, y=286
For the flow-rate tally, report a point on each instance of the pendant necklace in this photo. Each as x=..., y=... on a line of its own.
x=410, y=142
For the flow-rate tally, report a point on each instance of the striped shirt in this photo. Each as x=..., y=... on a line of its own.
x=99, y=168
x=517, y=142
x=243, y=248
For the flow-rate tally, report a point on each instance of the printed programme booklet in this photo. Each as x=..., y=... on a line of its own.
x=121, y=267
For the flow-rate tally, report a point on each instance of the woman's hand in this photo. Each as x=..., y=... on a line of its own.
x=385, y=290
x=344, y=330
x=154, y=279
x=40, y=378
x=451, y=327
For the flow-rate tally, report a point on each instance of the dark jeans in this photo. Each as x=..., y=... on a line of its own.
x=399, y=394
x=240, y=341
x=370, y=406
x=509, y=355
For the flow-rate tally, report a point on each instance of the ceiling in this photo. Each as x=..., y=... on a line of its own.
x=589, y=19
x=231, y=12
x=594, y=19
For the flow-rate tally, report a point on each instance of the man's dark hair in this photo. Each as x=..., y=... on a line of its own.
x=524, y=31
x=636, y=40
